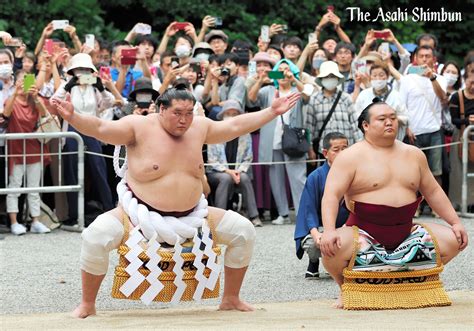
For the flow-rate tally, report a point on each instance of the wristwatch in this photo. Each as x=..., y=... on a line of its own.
x=433, y=78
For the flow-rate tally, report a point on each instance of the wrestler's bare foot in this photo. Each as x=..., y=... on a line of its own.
x=234, y=303
x=339, y=304
x=84, y=310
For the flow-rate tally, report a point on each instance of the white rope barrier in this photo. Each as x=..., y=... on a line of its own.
x=208, y=164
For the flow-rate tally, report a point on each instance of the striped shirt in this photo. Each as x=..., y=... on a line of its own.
x=342, y=120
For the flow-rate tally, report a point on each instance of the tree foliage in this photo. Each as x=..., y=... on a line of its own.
x=242, y=19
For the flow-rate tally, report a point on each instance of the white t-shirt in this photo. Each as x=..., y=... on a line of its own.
x=424, y=107
x=365, y=98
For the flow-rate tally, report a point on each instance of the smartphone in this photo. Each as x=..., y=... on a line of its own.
x=276, y=74
x=143, y=28
x=60, y=24
x=180, y=25
x=104, y=72
x=28, y=82
x=330, y=8
x=385, y=48
x=252, y=68
x=418, y=70
x=381, y=34
x=87, y=79
x=284, y=28
x=129, y=56
x=361, y=66
x=15, y=42
x=90, y=41
x=312, y=38
x=49, y=46
x=218, y=21
x=174, y=62
x=265, y=33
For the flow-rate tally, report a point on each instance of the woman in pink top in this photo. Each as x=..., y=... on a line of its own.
x=23, y=110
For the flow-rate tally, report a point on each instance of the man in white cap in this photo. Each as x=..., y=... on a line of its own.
x=230, y=163
x=218, y=41
x=330, y=110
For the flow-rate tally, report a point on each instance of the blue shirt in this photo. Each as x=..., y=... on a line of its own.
x=309, y=213
x=130, y=78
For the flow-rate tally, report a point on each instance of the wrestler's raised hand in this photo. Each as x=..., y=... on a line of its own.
x=461, y=235
x=283, y=104
x=330, y=243
x=65, y=108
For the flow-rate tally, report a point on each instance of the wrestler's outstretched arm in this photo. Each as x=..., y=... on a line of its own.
x=438, y=200
x=222, y=131
x=339, y=179
x=119, y=132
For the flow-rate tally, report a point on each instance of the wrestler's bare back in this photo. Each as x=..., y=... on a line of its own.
x=388, y=176
x=163, y=170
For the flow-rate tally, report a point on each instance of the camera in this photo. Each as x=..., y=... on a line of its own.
x=225, y=71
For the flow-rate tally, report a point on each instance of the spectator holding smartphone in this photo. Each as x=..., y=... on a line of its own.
x=89, y=96
x=123, y=75
x=8, y=88
x=184, y=43
x=330, y=18
x=232, y=85
x=23, y=109
x=270, y=147
x=423, y=94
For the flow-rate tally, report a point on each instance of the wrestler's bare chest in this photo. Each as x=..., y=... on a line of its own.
x=389, y=179
x=156, y=154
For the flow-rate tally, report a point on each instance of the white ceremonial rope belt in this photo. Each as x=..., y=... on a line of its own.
x=167, y=229
x=174, y=231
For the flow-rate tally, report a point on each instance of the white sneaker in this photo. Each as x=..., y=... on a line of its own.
x=280, y=220
x=38, y=227
x=18, y=229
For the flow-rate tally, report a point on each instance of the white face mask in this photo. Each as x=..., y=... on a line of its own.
x=378, y=84
x=6, y=70
x=182, y=51
x=202, y=57
x=80, y=72
x=451, y=79
x=330, y=83
x=143, y=97
x=317, y=62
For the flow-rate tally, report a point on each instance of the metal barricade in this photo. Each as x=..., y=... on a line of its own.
x=465, y=174
x=50, y=189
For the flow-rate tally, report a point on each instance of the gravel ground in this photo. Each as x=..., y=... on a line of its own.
x=40, y=273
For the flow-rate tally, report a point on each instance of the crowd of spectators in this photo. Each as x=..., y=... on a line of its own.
x=433, y=98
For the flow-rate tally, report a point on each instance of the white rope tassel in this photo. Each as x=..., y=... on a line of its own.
x=177, y=269
x=136, y=278
x=116, y=162
x=155, y=271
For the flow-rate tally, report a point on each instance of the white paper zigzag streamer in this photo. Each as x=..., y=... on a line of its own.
x=212, y=258
x=199, y=275
x=136, y=278
x=155, y=285
x=177, y=269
